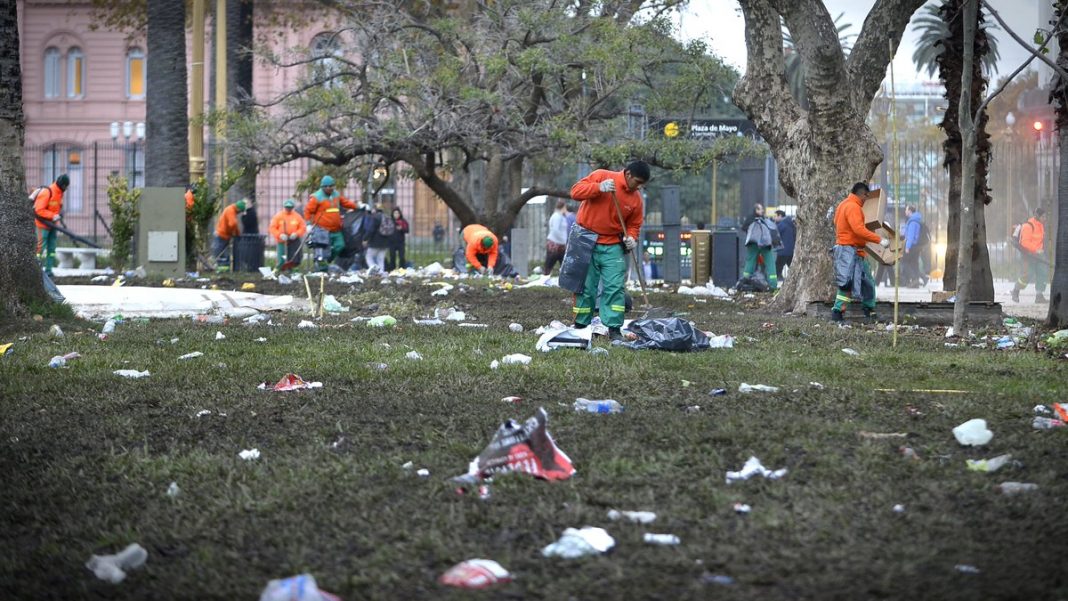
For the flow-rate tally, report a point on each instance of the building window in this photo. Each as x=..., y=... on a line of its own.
x=326, y=47
x=57, y=159
x=135, y=74
x=51, y=73
x=75, y=73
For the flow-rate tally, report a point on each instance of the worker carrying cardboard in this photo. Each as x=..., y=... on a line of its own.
x=481, y=248
x=852, y=275
x=227, y=228
x=288, y=229
x=323, y=211
x=47, y=206
x=598, y=229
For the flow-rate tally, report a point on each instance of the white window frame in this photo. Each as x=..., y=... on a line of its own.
x=326, y=46
x=135, y=52
x=52, y=73
x=75, y=53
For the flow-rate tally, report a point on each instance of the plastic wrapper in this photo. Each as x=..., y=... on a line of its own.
x=748, y=388
x=988, y=465
x=249, y=454
x=475, y=574
x=113, y=568
x=661, y=539
x=516, y=359
x=668, y=334
x=290, y=382
x=297, y=588
x=132, y=373
x=525, y=448
x=637, y=517
x=753, y=467
x=973, y=433
x=382, y=321
x=579, y=543
x=192, y=355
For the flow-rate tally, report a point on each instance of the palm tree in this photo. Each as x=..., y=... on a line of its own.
x=166, y=106
x=933, y=31
x=795, y=73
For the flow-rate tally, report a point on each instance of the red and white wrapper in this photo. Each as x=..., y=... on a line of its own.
x=290, y=382
x=526, y=448
x=475, y=574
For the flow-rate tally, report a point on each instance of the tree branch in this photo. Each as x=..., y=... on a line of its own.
x=1034, y=53
x=763, y=92
x=866, y=66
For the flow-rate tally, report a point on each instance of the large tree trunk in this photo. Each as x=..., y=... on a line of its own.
x=968, y=200
x=167, y=120
x=951, y=71
x=824, y=150
x=239, y=62
x=1058, y=297
x=20, y=275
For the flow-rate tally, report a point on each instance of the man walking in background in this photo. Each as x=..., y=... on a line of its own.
x=556, y=241
x=761, y=240
x=788, y=234
x=1029, y=238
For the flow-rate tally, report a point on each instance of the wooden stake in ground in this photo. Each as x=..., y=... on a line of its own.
x=322, y=284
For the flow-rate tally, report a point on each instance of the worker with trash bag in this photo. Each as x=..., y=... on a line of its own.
x=323, y=213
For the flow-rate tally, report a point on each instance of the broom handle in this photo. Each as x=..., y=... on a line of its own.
x=633, y=254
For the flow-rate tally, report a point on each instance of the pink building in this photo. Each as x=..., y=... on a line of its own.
x=84, y=101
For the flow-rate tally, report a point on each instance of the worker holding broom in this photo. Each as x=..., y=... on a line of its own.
x=599, y=194
x=47, y=207
x=288, y=228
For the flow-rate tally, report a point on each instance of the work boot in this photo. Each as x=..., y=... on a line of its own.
x=1015, y=294
x=615, y=334
x=871, y=315
x=1040, y=299
x=836, y=316
x=579, y=326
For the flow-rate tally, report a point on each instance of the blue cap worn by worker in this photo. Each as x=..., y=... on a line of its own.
x=289, y=203
x=326, y=181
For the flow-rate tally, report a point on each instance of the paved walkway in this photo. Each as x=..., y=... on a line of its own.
x=1002, y=294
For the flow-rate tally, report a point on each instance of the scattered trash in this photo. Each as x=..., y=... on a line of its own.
x=988, y=465
x=495, y=364
x=950, y=332
x=1046, y=423
x=202, y=413
x=249, y=454
x=1062, y=410
x=113, y=567
x=332, y=305
x=815, y=385
x=966, y=569
x=747, y=388
x=719, y=579
x=456, y=316
x=661, y=539
x=579, y=543
x=708, y=290
x=208, y=319
x=55, y=331
x=473, y=325
x=881, y=435
x=563, y=337
x=1058, y=339
x=220, y=336
x=433, y=269
x=352, y=278
x=260, y=339
x=721, y=341
x=605, y=406
x=525, y=448
x=515, y=327
x=516, y=359
x=638, y=517
x=753, y=467
x=252, y=320
x=192, y=355
x=297, y=588
x=973, y=433
x=909, y=453
x=1005, y=342
x=284, y=280
x=290, y=382
x=131, y=373
x=511, y=399
x=61, y=360
x=382, y=321
x=173, y=490
x=598, y=350
x=414, y=356
x=267, y=273
x=248, y=287
x=6, y=348
x=1013, y=488
x=899, y=508
x=851, y=352
x=668, y=334
x=475, y=574
x=306, y=325
x=422, y=473
x=742, y=508
x=429, y=322
x=718, y=392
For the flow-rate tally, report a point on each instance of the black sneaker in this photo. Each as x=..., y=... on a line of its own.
x=871, y=315
x=836, y=316
x=580, y=326
x=615, y=334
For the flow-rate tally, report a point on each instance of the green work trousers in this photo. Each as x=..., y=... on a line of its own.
x=337, y=244
x=608, y=266
x=867, y=292
x=1034, y=271
x=752, y=251
x=46, y=244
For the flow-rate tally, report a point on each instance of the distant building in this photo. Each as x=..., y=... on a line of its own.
x=918, y=104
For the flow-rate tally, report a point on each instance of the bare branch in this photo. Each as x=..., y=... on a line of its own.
x=763, y=92
x=883, y=28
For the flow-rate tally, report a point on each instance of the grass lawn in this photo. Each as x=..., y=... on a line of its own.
x=87, y=457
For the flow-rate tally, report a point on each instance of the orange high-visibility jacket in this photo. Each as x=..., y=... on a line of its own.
x=227, y=227
x=325, y=211
x=48, y=204
x=597, y=212
x=473, y=235
x=189, y=198
x=1031, y=235
x=849, y=225
x=288, y=222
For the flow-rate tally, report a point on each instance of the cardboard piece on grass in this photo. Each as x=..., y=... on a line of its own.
x=564, y=337
x=290, y=382
x=475, y=574
x=526, y=448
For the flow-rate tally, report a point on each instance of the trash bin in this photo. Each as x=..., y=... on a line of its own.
x=727, y=258
x=248, y=252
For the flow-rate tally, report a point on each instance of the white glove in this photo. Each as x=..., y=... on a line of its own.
x=483, y=270
x=885, y=243
x=56, y=218
x=283, y=237
x=608, y=185
x=629, y=243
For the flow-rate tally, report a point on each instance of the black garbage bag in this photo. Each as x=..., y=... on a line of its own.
x=503, y=268
x=577, y=257
x=667, y=334
x=753, y=283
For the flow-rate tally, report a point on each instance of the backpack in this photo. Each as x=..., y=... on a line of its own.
x=924, y=239
x=386, y=227
x=1017, y=230
x=33, y=195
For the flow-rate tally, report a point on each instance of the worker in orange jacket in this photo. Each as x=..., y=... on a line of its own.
x=608, y=265
x=852, y=274
x=226, y=228
x=287, y=227
x=48, y=206
x=323, y=210
x=1030, y=240
x=481, y=248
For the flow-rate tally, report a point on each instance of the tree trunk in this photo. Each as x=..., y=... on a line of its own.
x=239, y=88
x=968, y=201
x=1058, y=290
x=166, y=100
x=20, y=275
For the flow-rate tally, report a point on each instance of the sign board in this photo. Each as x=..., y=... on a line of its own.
x=709, y=129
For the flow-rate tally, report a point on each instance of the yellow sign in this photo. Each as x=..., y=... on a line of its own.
x=671, y=130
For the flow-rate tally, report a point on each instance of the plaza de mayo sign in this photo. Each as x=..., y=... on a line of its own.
x=710, y=129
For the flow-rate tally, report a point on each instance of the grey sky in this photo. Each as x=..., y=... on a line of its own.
x=720, y=22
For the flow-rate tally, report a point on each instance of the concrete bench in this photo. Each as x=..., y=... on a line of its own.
x=86, y=257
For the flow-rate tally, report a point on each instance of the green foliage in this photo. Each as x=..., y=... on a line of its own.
x=207, y=202
x=125, y=211
x=933, y=35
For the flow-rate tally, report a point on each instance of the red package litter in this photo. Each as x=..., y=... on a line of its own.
x=475, y=573
x=526, y=448
x=1062, y=410
x=290, y=382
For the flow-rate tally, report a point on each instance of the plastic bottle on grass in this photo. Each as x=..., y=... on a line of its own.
x=1046, y=423
x=605, y=406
